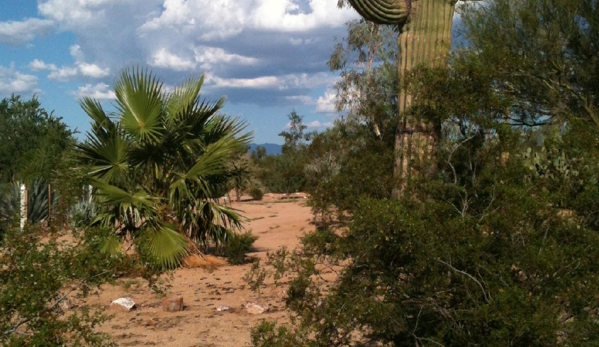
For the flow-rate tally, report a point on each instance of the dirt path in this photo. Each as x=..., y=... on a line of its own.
x=276, y=222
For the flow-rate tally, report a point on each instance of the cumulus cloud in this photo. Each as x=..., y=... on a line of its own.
x=76, y=13
x=313, y=125
x=17, y=33
x=263, y=82
x=100, y=91
x=230, y=17
x=40, y=65
x=318, y=125
x=168, y=60
x=67, y=73
x=92, y=70
x=12, y=81
x=63, y=74
x=326, y=102
x=283, y=82
x=208, y=57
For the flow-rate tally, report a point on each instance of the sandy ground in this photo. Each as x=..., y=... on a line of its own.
x=277, y=222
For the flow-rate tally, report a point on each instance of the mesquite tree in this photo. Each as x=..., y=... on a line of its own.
x=424, y=40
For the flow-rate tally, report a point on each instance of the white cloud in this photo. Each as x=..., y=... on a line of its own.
x=208, y=57
x=265, y=82
x=40, y=65
x=317, y=125
x=326, y=103
x=75, y=13
x=226, y=18
x=283, y=82
x=168, y=60
x=76, y=53
x=92, y=70
x=17, y=33
x=12, y=81
x=283, y=15
x=100, y=91
x=63, y=74
x=67, y=73
x=230, y=17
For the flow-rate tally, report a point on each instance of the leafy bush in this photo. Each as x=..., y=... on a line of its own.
x=256, y=193
x=238, y=245
x=480, y=253
x=38, y=276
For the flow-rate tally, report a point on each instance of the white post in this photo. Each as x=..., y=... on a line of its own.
x=89, y=193
x=23, y=206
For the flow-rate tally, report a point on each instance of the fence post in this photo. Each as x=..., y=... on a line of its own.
x=23, y=196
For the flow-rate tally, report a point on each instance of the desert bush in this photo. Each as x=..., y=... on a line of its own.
x=256, y=193
x=38, y=276
x=237, y=246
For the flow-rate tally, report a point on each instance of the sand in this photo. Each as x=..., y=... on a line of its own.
x=276, y=221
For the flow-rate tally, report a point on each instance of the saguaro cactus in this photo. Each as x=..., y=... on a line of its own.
x=424, y=40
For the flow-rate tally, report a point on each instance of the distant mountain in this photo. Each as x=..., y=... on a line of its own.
x=271, y=148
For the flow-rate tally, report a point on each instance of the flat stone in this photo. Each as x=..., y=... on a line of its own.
x=221, y=308
x=126, y=303
x=253, y=308
x=172, y=305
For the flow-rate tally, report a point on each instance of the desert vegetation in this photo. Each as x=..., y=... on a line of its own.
x=456, y=203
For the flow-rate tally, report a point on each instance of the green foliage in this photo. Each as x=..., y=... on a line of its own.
x=159, y=165
x=32, y=141
x=495, y=246
x=237, y=246
x=543, y=54
x=348, y=162
x=368, y=85
x=268, y=334
x=243, y=174
x=482, y=262
x=39, y=275
x=256, y=193
x=284, y=173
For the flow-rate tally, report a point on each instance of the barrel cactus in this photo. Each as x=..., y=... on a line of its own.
x=424, y=40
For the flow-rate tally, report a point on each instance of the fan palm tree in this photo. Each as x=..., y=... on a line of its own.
x=158, y=165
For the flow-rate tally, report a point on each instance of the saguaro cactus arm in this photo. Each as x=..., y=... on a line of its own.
x=383, y=11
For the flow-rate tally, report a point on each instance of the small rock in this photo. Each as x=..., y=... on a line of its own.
x=172, y=305
x=221, y=308
x=125, y=303
x=65, y=304
x=253, y=308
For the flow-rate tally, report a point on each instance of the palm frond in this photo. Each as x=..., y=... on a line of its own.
x=107, y=154
x=164, y=246
x=114, y=195
x=111, y=245
x=140, y=101
x=184, y=97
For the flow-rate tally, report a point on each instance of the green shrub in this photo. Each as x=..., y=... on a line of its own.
x=38, y=275
x=256, y=193
x=238, y=245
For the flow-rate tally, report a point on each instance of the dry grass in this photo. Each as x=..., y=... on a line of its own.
x=203, y=261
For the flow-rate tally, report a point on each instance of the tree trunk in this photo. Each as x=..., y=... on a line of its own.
x=424, y=40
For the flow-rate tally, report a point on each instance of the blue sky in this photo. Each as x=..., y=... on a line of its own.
x=267, y=57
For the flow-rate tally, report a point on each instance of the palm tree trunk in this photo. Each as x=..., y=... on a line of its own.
x=424, y=40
